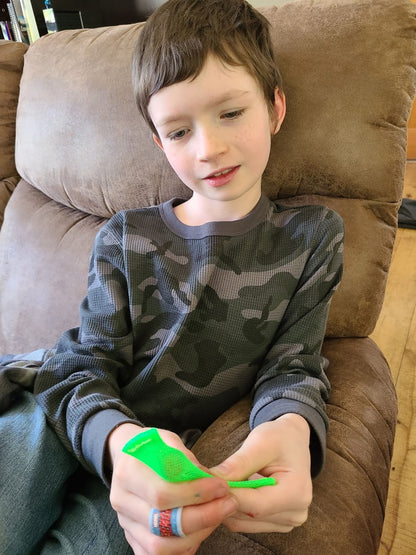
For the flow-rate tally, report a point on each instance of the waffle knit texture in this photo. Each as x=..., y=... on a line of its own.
x=180, y=322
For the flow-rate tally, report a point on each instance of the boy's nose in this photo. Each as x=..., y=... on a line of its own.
x=210, y=144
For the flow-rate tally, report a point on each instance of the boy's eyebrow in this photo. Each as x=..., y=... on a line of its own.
x=229, y=95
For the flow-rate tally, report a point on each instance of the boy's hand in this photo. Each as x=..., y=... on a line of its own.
x=280, y=449
x=135, y=489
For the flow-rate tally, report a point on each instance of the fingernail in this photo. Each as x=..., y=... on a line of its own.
x=220, y=471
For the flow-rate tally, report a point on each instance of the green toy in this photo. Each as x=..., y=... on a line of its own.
x=172, y=465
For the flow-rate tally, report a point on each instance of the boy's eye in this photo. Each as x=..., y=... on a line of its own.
x=177, y=135
x=232, y=115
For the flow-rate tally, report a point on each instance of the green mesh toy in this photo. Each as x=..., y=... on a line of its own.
x=171, y=464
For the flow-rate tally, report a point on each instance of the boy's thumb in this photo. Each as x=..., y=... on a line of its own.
x=236, y=467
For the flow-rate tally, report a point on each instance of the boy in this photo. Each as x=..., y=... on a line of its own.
x=195, y=303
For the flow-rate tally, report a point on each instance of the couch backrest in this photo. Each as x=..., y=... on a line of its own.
x=84, y=153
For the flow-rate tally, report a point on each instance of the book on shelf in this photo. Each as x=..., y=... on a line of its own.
x=19, y=34
x=26, y=20
x=5, y=31
x=28, y=14
x=21, y=21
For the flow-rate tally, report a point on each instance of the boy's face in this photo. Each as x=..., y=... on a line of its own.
x=216, y=133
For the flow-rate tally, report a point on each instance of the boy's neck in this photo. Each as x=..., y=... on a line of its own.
x=199, y=211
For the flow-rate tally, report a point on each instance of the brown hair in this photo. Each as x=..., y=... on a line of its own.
x=177, y=38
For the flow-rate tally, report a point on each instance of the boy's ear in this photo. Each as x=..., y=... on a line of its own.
x=158, y=141
x=279, y=110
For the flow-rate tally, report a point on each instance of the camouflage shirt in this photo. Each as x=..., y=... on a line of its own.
x=180, y=322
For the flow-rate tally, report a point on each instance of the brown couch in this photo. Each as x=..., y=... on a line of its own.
x=83, y=153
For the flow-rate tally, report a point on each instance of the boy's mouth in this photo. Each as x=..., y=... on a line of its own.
x=221, y=177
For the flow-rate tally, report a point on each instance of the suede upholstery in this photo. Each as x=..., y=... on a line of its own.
x=11, y=65
x=83, y=153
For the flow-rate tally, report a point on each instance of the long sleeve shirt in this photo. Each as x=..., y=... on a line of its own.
x=180, y=322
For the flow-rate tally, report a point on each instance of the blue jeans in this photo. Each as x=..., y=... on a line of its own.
x=48, y=504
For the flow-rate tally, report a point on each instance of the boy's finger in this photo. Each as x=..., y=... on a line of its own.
x=241, y=465
x=197, y=522
x=209, y=515
x=197, y=492
x=291, y=494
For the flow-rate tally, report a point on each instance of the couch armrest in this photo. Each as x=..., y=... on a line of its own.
x=351, y=492
x=11, y=67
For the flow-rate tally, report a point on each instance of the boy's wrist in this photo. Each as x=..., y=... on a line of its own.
x=118, y=438
x=299, y=424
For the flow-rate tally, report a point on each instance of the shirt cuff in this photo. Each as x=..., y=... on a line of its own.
x=94, y=439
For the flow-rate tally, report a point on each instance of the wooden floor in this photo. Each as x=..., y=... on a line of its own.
x=396, y=336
